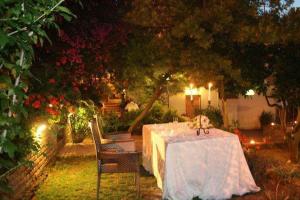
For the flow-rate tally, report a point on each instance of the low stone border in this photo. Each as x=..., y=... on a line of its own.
x=24, y=179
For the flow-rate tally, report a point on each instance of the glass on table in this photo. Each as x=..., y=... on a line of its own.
x=175, y=119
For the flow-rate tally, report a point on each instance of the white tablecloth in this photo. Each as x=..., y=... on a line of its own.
x=185, y=165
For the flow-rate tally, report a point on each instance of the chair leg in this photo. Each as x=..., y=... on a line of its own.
x=137, y=184
x=98, y=185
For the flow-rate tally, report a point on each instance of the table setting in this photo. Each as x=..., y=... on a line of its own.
x=190, y=161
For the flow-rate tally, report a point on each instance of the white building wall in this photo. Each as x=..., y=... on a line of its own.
x=177, y=102
x=245, y=110
x=248, y=110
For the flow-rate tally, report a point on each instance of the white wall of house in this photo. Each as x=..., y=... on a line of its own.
x=245, y=110
x=177, y=101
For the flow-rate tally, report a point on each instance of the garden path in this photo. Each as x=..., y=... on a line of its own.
x=77, y=158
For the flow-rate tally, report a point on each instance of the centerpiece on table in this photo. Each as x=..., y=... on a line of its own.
x=201, y=122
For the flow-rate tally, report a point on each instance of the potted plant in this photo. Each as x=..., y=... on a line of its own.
x=80, y=119
x=265, y=119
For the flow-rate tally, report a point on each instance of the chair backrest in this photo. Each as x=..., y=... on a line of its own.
x=96, y=138
x=99, y=123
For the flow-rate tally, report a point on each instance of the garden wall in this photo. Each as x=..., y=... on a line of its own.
x=245, y=110
x=25, y=179
x=248, y=110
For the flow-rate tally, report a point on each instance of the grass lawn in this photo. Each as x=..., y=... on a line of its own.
x=75, y=178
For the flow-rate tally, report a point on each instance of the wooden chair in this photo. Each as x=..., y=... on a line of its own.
x=114, y=160
x=115, y=140
x=114, y=135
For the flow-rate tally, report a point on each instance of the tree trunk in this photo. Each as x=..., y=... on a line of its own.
x=298, y=115
x=224, y=109
x=137, y=120
x=225, y=114
x=282, y=117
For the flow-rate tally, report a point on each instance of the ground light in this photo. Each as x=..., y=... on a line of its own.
x=39, y=131
x=252, y=142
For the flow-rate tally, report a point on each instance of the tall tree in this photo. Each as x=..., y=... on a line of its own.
x=200, y=39
x=274, y=69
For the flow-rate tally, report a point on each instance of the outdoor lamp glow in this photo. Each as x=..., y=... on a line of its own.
x=252, y=142
x=209, y=92
x=191, y=91
x=40, y=129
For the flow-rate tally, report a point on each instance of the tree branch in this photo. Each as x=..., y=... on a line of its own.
x=37, y=19
x=17, y=81
x=271, y=105
x=155, y=96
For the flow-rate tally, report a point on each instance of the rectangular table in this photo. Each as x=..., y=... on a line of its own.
x=185, y=165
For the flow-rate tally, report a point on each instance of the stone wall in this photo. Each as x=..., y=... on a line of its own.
x=26, y=178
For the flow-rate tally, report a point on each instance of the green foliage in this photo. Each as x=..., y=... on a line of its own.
x=213, y=114
x=200, y=38
x=22, y=25
x=158, y=114
x=233, y=126
x=80, y=120
x=265, y=118
x=112, y=123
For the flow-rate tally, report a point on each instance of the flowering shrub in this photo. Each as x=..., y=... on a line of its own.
x=41, y=104
x=80, y=59
x=50, y=109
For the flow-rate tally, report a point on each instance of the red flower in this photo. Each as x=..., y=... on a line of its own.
x=241, y=136
x=31, y=97
x=27, y=102
x=36, y=104
x=52, y=81
x=57, y=64
x=54, y=101
x=52, y=111
x=75, y=89
x=61, y=97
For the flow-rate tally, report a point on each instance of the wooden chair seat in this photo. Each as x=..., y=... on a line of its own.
x=118, y=136
x=112, y=157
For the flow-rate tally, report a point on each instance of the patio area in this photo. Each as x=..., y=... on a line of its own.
x=150, y=99
x=74, y=176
